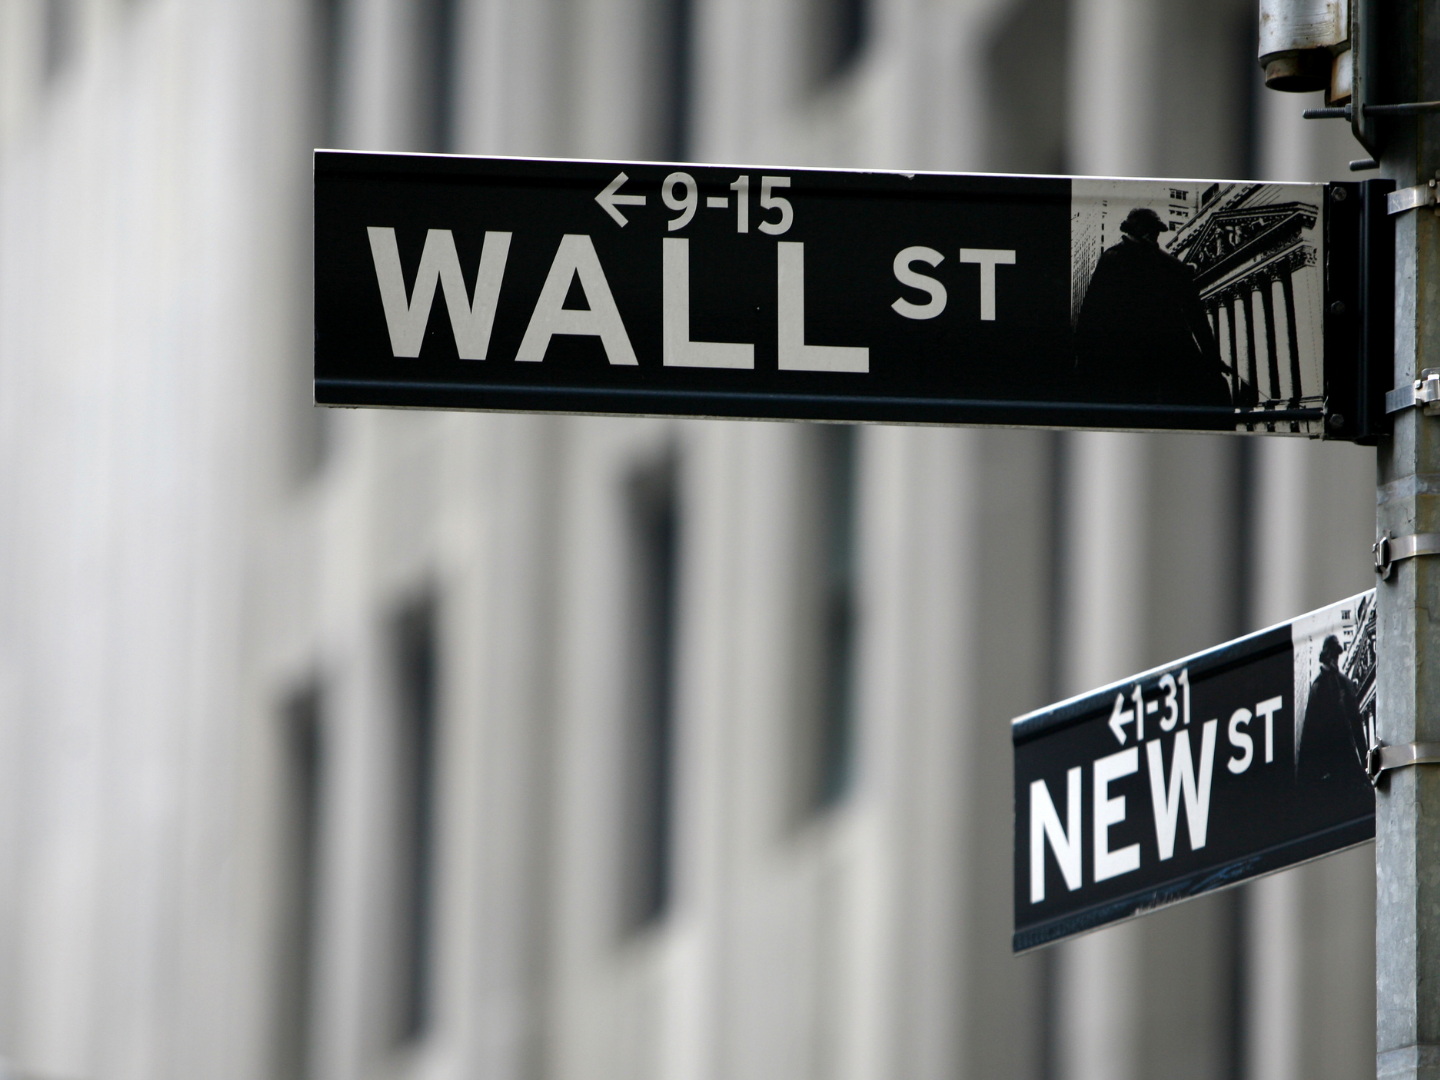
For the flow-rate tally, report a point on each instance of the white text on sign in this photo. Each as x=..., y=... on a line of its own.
x=472, y=318
x=1180, y=772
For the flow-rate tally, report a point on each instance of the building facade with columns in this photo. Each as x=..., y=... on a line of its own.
x=343, y=745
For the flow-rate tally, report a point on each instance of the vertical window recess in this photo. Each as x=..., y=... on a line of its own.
x=415, y=793
x=654, y=525
x=301, y=788
x=836, y=740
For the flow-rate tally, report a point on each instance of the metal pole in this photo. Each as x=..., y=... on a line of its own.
x=1406, y=34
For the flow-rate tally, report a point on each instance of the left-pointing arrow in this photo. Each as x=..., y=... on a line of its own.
x=1119, y=718
x=608, y=200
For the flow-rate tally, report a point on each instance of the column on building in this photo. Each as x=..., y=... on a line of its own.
x=1287, y=292
x=1247, y=308
x=1151, y=544
x=1264, y=287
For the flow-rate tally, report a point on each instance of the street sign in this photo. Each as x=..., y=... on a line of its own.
x=1206, y=772
x=688, y=290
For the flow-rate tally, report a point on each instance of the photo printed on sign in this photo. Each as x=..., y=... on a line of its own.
x=1205, y=291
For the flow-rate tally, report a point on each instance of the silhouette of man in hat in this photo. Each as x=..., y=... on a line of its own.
x=1332, y=737
x=1142, y=335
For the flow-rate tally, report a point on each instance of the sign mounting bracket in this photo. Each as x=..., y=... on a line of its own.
x=1389, y=550
x=1425, y=391
x=1412, y=198
x=1381, y=759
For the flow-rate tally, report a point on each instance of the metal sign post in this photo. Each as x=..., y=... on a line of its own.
x=1379, y=63
x=1407, y=851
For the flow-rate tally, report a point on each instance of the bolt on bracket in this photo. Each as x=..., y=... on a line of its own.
x=1347, y=112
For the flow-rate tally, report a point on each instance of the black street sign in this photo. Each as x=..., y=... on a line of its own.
x=688, y=290
x=1225, y=765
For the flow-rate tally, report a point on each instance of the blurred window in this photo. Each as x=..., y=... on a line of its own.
x=835, y=745
x=309, y=429
x=677, y=76
x=435, y=64
x=327, y=24
x=415, y=803
x=841, y=29
x=1027, y=74
x=654, y=526
x=300, y=793
x=59, y=35
x=1250, y=82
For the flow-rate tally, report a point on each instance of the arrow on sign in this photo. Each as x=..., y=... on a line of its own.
x=1120, y=717
x=608, y=200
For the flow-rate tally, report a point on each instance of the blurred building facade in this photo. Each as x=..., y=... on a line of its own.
x=397, y=745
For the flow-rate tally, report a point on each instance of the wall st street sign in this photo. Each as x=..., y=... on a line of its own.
x=689, y=290
x=1206, y=772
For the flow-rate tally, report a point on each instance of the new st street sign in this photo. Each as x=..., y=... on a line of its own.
x=687, y=290
x=1219, y=767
